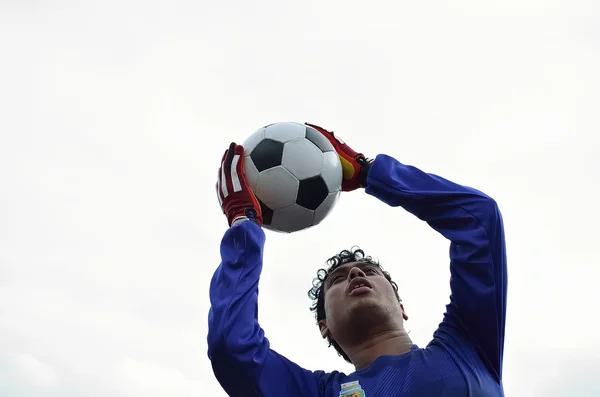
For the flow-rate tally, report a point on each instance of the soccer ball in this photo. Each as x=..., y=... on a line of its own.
x=295, y=174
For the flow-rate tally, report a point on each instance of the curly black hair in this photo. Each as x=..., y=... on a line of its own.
x=317, y=295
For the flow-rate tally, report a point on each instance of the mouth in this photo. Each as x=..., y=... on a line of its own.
x=359, y=285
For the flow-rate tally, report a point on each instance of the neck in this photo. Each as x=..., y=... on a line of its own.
x=388, y=343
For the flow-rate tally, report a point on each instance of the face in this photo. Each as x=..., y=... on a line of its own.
x=356, y=292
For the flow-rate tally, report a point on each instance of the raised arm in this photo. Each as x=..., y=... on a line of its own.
x=472, y=222
x=241, y=358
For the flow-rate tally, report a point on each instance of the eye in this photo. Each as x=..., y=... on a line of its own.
x=370, y=271
x=334, y=278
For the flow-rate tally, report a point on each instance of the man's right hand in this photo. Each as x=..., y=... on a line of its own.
x=237, y=200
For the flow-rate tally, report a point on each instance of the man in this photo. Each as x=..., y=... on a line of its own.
x=357, y=304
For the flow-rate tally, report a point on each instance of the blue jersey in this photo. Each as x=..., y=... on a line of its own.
x=464, y=357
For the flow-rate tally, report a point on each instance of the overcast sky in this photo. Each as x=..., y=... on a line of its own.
x=114, y=116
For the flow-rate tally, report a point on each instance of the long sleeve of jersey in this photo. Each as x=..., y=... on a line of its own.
x=472, y=222
x=241, y=358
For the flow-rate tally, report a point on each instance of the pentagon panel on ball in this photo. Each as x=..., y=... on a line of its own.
x=295, y=174
x=267, y=154
x=311, y=192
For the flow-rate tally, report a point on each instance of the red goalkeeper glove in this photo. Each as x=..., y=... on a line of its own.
x=235, y=196
x=355, y=166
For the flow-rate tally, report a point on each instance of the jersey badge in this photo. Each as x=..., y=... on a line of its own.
x=352, y=389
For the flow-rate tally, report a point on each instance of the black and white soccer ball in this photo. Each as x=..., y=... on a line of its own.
x=295, y=174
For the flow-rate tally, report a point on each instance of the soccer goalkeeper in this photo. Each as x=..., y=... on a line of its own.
x=357, y=304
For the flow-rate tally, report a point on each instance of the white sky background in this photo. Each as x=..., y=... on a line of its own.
x=115, y=114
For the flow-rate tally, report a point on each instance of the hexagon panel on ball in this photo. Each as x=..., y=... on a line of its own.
x=326, y=207
x=253, y=140
x=318, y=140
x=291, y=219
x=251, y=173
x=302, y=158
x=277, y=188
x=285, y=131
x=267, y=214
x=332, y=171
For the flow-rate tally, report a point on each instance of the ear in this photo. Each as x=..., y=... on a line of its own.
x=404, y=315
x=323, y=328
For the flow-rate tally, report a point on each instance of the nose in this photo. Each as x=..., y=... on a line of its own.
x=355, y=272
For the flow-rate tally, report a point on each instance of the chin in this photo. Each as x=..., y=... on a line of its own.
x=364, y=303
x=365, y=316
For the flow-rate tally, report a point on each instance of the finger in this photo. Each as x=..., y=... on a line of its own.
x=229, y=158
x=236, y=172
x=239, y=149
x=320, y=129
x=222, y=178
x=223, y=182
x=223, y=158
x=233, y=166
x=218, y=186
x=231, y=174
